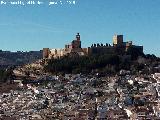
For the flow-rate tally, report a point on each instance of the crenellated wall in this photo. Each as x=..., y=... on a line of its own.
x=118, y=47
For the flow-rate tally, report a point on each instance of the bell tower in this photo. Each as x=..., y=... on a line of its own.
x=76, y=43
x=78, y=37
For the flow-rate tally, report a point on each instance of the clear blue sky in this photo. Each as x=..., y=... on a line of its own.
x=33, y=27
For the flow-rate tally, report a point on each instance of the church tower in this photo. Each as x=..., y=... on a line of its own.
x=76, y=43
x=78, y=37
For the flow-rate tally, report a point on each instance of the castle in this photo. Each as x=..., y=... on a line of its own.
x=74, y=48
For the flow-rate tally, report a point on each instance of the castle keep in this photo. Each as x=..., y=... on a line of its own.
x=74, y=48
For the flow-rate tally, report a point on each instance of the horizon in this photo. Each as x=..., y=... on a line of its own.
x=34, y=27
x=70, y=42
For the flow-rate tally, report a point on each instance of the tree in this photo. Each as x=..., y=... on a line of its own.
x=81, y=64
x=6, y=75
x=134, y=52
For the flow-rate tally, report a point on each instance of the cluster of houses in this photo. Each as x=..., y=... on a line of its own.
x=81, y=97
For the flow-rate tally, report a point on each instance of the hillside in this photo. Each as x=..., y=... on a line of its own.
x=107, y=63
x=8, y=58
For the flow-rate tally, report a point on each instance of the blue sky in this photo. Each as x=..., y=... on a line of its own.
x=33, y=27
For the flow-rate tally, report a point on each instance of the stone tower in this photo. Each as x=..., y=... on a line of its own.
x=78, y=37
x=76, y=43
x=46, y=52
x=117, y=40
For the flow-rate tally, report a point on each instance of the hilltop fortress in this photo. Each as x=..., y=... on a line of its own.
x=74, y=48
